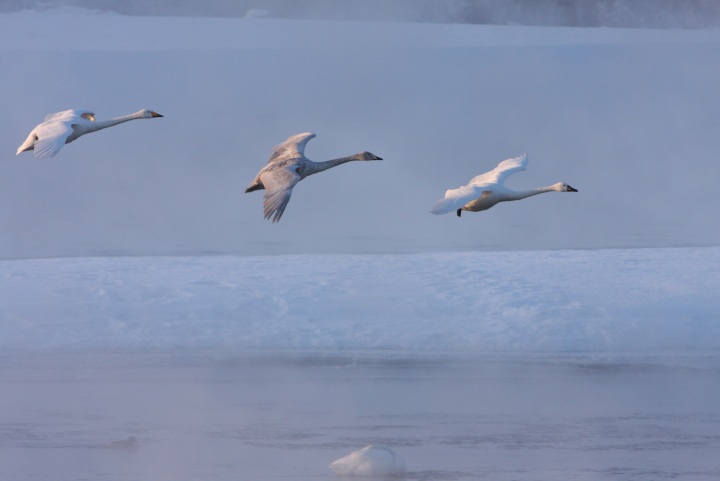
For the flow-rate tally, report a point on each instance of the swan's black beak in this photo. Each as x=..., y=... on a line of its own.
x=571, y=189
x=155, y=114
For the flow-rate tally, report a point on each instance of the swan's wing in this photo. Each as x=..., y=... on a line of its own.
x=51, y=137
x=456, y=198
x=279, y=183
x=500, y=173
x=293, y=147
x=73, y=114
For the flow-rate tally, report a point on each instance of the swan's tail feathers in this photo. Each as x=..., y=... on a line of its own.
x=456, y=199
x=444, y=206
x=453, y=200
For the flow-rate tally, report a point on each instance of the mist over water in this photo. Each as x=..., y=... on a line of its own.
x=221, y=415
x=610, y=13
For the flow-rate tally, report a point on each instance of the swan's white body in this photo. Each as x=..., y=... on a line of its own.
x=371, y=460
x=288, y=166
x=486, y=190
x=63, y=127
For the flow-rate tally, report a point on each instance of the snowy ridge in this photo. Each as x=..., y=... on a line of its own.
x=471, y=302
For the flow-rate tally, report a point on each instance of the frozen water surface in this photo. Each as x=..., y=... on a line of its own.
x=216, y=415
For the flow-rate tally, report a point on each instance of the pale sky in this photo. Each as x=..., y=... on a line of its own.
x=633, y=127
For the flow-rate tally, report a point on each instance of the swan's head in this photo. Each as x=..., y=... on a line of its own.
x=367, y=156
x=563, y=187
x=149, y=114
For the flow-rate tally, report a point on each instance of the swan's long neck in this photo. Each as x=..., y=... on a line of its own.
x=315, y=167
x=514, y=195
x=104, y=124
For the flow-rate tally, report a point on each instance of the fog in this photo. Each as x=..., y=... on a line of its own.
x=217, y=416
x=611, y=13
x=627, y=117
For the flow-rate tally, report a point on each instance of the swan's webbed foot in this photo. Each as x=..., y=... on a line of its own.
x=459, y=211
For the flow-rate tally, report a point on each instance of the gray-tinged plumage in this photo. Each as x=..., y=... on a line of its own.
x=288, y=166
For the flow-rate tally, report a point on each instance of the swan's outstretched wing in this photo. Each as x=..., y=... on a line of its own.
x=70, y=115
x=456, y=198
x=49, y=137
x=279, y=183
x=500, y=173
x=292, y=148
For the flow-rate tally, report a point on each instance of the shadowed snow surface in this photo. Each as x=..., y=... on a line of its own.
x=549, y=300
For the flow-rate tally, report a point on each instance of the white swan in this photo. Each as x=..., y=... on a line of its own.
x=486, y=190
x=288, y=166
x=63, y=127
x=371, y=460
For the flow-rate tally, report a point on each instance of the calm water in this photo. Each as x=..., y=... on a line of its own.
x=286, y=416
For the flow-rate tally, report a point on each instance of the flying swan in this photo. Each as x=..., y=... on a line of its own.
x=486, y=190
x=288, y=166
x=63, y=127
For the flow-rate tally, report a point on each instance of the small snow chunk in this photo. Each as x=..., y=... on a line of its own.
x=370, y=461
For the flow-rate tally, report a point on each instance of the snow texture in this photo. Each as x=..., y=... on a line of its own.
x=634, y=299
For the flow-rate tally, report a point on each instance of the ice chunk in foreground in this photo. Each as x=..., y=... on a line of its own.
x=370, y=461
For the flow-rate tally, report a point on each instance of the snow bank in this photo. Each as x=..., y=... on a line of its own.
x=471, y=302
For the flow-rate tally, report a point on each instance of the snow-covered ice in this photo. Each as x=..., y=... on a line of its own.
x=632, y=299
